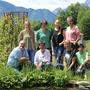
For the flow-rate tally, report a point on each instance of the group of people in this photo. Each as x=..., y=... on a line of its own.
x=62, y=43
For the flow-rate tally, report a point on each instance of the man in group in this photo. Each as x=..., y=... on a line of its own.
x=42, y=56
x=18, y=57
x=82, y=60
x=44, y=34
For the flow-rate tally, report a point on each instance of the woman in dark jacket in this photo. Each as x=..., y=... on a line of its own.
x=57, y=42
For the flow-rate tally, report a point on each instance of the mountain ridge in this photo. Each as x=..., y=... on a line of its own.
x=34, y=14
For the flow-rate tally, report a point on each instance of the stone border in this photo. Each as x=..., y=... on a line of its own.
x=82, y=85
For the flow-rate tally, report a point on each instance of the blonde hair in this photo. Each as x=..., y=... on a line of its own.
x=27, y=21
x=57, y=21
x=67, y=42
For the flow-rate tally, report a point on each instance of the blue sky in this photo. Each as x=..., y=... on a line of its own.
x=47, y=4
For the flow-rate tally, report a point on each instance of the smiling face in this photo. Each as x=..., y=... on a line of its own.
x=22, y=44
x=57, y=24
x=70, y=21
x=42, y=47
x=27, y=25
x=67, y=45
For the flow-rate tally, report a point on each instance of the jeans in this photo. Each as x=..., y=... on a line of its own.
x=58, y=54
x=31, y=54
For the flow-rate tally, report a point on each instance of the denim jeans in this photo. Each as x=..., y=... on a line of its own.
x=31, y=54
x=58, y=54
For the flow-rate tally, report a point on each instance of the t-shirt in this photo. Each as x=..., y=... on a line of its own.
x=81, y=56
x=57, y=38
x=44, y=36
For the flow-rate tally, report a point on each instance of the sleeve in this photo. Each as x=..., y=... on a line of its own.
x=13, y=57
x=36, y=58
x=37, y=36
x=77, y=32
x=26, y=54
x=53, y=40
x=16, y=54
x=87, y=56
x=37, y=39
x=33, y=40
x=20, y=37
x=48, y=57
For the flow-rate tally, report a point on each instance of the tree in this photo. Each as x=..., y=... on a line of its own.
x=72, y=10
x=84, y=25
x=81, y=12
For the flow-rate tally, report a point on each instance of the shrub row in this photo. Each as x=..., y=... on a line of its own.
x=27, y=78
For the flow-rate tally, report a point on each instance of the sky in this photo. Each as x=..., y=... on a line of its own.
x=41, y=4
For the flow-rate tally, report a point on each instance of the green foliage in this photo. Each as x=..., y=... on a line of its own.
x=81, y=14
x=84, y=25
x=73, y=9
x=30, y=77
x=88, y=46
x=9, y=30
x=62, y=18
x=11, y=78
x=36, y=25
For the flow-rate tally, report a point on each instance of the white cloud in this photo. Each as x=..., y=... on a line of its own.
x=48, y=4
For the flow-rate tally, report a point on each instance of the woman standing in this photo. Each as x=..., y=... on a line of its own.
x=28, y=36
x=72, y=33
x=57, y=42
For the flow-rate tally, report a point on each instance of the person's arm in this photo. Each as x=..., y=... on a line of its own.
x=47, y=57
x=61, y=43
x=33, y=41
x=20, y=37
x=77, y=34
x=37, y=39
x=25, y=58
x=52, y=45
x=73, y=63
x=37, y=63
x=64, y=63
x=13, y=59
x=85, y=61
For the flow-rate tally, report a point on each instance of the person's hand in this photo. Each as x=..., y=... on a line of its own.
x=53, y=54
x=46, y=62
x=61, y=43
x=38, y=66
x=23, y=60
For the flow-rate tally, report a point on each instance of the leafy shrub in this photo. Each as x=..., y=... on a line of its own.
x=11, y=78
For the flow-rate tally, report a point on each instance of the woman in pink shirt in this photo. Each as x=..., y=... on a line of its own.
x=72, y=32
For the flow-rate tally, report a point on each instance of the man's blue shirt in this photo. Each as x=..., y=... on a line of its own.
x=15, y=55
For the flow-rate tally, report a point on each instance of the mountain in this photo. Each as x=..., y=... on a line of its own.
x=5, y=6
x=57, y=10
x=87, y=3
x=40, y=14
x=36, y=15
